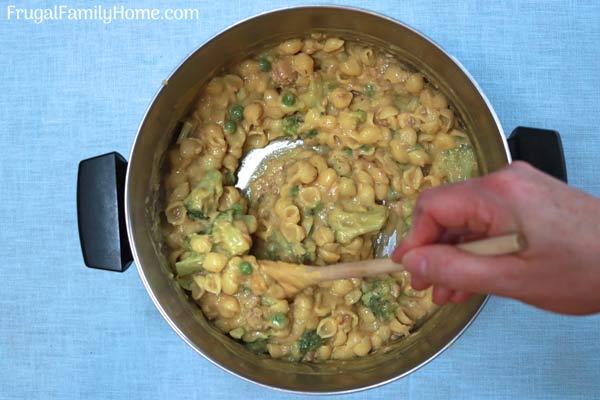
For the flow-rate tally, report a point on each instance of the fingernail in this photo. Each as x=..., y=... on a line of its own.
x=414, y=263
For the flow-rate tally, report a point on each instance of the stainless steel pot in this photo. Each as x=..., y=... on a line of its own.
x=113, y=195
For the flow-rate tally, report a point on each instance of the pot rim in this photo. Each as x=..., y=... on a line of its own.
x=128, y=179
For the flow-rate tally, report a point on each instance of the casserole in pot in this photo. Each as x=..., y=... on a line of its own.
x=119, y=203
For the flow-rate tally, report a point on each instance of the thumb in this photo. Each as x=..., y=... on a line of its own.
x=451, y=267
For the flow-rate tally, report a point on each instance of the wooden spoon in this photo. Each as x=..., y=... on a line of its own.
x=295, y=277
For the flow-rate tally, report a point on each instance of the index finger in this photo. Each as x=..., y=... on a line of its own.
x=466, y=206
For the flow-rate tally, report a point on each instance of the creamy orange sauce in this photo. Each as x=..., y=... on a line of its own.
x=374, y=135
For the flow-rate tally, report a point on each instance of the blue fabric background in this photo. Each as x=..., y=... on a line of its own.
x=72, y=90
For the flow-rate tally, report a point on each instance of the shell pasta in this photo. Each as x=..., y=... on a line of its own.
x=374, y=133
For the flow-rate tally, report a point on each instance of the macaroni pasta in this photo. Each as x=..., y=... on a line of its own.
x=374, y=135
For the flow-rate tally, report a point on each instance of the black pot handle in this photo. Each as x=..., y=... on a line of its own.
x=101, y=212
x=541, y=148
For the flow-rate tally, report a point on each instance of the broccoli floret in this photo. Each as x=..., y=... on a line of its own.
x=230, y=179
x=258, y=346
x=234, y=241
x=314, y=95
x=237, y=210
x=382, y=309
x=186, y=129
x=310, y=248
x=278, y=248
x=237, y=333
x=227, y=236
x=290, y=125
x=406, y=103
x=186, y=282
x=192, y=263
x=377, y=296
x=268, y=300
x=309, y=341
x=339, y=160
x=311, y=134
x=349, y=225
x=459, y=163
x=294, y=191
x=205, y=197
x=359, y=115
x=273, y=250
x=414, y=147
x=318, y=208
x=329, y=86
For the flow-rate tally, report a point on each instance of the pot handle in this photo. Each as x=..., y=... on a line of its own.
x=541, y=148
x=101, y=212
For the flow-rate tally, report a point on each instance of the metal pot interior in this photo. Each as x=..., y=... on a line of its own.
x=157, y=131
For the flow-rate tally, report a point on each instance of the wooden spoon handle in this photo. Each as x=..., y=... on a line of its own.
x=358, y=269
x=493, y=246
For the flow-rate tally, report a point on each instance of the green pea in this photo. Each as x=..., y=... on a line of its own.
x=237, y=209
x=288, y=99
x=264, y=64
x=229, y=126
x=312, y=133
x=278, y=320
x=369, y=89
x=245, y=268
x=294, y=191
x=236, y=113
x=361, y=115
x=348, y=152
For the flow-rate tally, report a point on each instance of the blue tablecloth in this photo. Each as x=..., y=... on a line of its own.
x=74, y=89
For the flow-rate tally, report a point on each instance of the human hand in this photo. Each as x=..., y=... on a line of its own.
x=559, y=269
